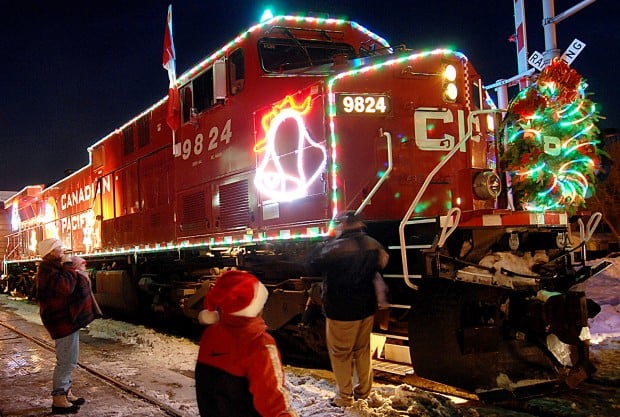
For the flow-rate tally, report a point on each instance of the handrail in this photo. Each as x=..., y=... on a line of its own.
x=445, y=231
x=422, y=190
x=594, y=219
x=384, y=177
x=7, y=255
x=586, y=232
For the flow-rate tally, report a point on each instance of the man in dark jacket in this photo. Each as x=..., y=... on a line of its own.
x=65, y=304
x=348, y=264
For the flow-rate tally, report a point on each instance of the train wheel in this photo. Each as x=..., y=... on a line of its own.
x=436, y=335
x=456, y=337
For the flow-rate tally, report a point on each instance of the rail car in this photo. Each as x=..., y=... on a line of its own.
x=294, y=121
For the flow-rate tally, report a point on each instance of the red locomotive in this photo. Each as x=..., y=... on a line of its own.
x=293, y=122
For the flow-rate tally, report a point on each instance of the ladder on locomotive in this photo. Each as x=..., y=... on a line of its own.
x=392, y=341
x=410, y=248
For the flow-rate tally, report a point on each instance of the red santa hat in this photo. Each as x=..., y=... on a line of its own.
x=47, y=245
x=236, y=293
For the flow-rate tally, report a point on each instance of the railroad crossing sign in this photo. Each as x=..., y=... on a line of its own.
x=574, y=49
x=537, y=59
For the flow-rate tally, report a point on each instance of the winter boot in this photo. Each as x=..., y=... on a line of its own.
x=341, y=401
x=75, y=400
x=60, y=405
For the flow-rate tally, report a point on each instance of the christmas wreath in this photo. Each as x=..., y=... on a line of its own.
x=551, y=152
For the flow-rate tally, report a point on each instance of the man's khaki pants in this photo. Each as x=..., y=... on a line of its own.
x=348, y=344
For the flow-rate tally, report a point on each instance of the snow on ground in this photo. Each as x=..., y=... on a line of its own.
x=310, y=390
x=605, y=290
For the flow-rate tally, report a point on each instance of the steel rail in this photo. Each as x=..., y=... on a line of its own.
x=124, y=387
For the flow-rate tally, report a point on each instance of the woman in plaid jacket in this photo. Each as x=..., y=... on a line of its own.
x=66, y=305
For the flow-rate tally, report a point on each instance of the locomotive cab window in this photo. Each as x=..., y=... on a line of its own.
x=203, y=91
x=236, y=66
x=198, y=95
x=186, y=103
x=282, y=54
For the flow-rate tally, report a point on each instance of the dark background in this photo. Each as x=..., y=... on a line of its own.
x=73, y=72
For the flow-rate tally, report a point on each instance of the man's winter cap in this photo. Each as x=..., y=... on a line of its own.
x=47, y=245
x=349, y=220
x=236, y=293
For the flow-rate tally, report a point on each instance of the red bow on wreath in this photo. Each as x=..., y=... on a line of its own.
x=566, y=78
x=529, y=104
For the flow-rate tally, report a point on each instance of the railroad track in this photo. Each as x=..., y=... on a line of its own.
x=101, y=376
x=385, y=371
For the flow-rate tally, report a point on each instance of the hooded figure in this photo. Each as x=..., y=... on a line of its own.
x=239, y=370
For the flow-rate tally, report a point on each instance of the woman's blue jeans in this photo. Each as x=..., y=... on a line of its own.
x=67, y=352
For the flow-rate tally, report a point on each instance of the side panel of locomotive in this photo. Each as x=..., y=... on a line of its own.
x=136, y=178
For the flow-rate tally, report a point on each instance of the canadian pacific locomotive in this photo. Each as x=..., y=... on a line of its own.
x=291, y=123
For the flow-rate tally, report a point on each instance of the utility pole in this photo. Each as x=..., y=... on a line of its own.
x=551, y=46
x=549, y=22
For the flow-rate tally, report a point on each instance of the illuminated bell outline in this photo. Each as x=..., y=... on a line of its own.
x=274, y=183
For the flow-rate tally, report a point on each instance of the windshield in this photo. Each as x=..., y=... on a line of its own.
x=282, y=54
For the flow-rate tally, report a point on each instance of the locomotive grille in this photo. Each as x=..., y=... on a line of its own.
x=193, y=212
x=234, y=205
x=128, y=140
x=155, y=220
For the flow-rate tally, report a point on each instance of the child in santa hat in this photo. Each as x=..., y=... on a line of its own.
x=239, y=371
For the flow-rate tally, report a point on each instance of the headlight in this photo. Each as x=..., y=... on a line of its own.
x=449, y=73
x=487, y=185
x=450, y=91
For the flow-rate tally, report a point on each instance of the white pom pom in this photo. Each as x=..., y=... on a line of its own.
x=208, y=317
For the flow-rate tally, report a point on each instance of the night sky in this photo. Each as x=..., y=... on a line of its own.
x=75, y=71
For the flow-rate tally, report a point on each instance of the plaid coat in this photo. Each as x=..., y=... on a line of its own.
x=65, y=298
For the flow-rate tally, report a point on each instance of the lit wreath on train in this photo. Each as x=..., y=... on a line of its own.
x=552, y=155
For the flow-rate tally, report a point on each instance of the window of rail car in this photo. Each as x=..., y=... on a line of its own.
x=283, y=54
x=197, y=95
x=97, y=157
x=236, y=65
x=127, y=197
